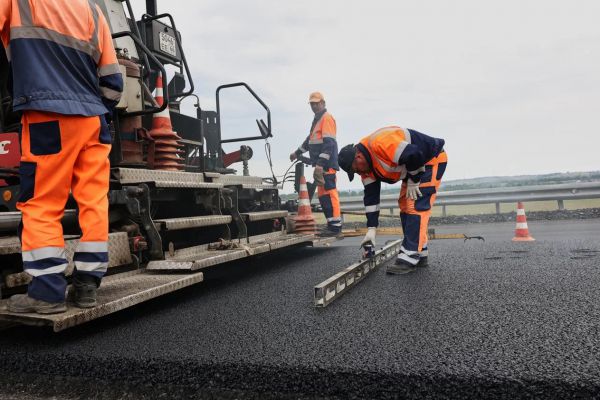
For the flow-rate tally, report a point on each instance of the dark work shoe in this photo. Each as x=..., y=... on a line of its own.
x=22, y=303
x=400, y=267
x=84, y=294
x=423, y=262
x=330, y=233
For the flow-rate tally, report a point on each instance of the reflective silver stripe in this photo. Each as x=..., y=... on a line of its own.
x=95, y=16
x=91, y=266
x=408, y=259
x=110, y=94
x=34, y=32
x=92, y=247
x=25, y=13
x=368, y=181
x=44, y=252
x=109, y=69
x=410, y=253
x=399, y=151
x=324, y=155
x=329, y=135
x=370, y=209
x=334, y=219
x=416, y=171
x=315, y=141
x=58, y=269
x=384, y=165
x=302, y=149
x=8, y=52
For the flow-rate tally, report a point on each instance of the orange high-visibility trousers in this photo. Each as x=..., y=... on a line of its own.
x=330, y=201
x=60, y=154
x=414, y=214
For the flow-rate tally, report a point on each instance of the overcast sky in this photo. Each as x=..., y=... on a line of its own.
x=513, y=86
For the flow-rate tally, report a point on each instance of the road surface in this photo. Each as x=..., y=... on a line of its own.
x=491, y=319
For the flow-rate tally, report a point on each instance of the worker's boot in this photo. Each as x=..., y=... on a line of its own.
x=22, y=303
x=400, y=267
x=328, y=232
x=84, y=291
x=423, y=262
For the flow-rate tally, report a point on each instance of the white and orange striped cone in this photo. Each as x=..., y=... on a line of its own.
x=304, y=222
x=522, y=231
x=167, y=148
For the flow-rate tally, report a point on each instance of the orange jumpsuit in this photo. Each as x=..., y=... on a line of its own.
x=398, y=154
x=66, y=80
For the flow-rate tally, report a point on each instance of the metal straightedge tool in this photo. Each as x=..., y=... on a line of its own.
x=330, y=289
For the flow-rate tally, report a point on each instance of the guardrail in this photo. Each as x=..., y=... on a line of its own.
x=559, y=192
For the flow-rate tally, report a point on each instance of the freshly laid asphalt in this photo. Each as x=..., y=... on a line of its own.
x=492, y=319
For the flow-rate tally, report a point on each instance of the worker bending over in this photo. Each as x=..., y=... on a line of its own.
x=322, y=147
x=66, y=81
x=395, y=154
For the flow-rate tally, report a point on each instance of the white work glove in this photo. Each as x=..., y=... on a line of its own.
x=293, y=156
x=370, y=236
x=318, y=176
x=412, y=191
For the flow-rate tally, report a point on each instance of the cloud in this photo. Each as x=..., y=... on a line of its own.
x=512, y=86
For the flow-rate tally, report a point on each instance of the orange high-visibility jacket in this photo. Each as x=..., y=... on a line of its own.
x=62, y=56
x=394, y=152
x=321, y=143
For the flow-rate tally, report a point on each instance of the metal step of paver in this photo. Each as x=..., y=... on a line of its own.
x=173, y=224
x=203, y=256
x=117, y=292
x=263, y=215
x=163, y=179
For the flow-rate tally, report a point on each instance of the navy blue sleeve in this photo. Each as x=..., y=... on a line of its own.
x=303, y=148
x=328, y=150
x=371, y=200
x=414, y=160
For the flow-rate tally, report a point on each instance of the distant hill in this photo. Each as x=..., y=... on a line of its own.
x=504, y=181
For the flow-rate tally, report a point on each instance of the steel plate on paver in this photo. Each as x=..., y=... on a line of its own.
x=262, y=215
x=198, y=257
x=163, y=178
x=116, y=293
x=10, y=245
x=290, y=240
x=194, y=222
x=118, y=254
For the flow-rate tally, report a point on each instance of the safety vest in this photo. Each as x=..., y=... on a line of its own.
x=62, y=56
x=322, y=143
x=386, y=146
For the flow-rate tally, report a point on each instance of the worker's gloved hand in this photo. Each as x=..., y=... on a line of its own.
x=318, y=176
x=293, y=156
x=370, y=236
x=413, y=191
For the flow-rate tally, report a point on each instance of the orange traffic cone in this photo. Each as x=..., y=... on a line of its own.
x=522, y=231
x=304, y=222
x=167, y=148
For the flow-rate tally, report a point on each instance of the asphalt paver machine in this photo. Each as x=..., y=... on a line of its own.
x=176, y=204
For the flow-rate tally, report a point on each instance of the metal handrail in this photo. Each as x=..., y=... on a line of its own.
x=558, y=192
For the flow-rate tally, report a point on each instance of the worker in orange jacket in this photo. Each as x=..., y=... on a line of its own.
x=395, y=154
x=66, y=81
x=322, y=148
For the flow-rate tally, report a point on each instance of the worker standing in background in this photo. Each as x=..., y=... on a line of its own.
x=66, y=81
x=322, y=147
x=395, y=154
